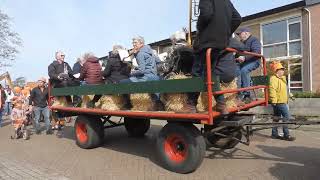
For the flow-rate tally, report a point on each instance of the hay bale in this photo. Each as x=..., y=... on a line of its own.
x=230, y=98
x=60, y=101
x=142, y=102
x=175, y=101
x=110, y=102
x=85, y=100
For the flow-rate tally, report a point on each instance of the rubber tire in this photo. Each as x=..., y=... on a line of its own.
x=195, y=150
x=136, y=127
x=95, y=131
x=223, y=143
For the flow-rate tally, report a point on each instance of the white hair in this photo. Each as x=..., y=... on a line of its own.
x=139, y=39
x=178, y=36
x=116, y=48
x=83, y=58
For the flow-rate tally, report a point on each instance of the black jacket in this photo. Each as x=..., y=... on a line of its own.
x=115, y=70
x=76, y=68
x=55, y=69
x=39, y=98
x=217, y=21
x=226, y=66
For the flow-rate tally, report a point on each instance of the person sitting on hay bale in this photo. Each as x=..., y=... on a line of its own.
x=225, y=69
x=180, y=58
x=146, y=71
x=116, y=70
x=91, y=74
x=178, y=65
x=61, y=74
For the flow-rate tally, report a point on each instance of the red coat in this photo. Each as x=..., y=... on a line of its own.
x=91, y=71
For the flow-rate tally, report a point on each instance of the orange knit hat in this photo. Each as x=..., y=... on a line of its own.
x=275, y=66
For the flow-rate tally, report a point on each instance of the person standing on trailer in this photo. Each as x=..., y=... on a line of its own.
x=278, y=94
x=217, y=21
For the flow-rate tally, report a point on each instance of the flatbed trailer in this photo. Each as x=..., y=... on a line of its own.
x=180, y=145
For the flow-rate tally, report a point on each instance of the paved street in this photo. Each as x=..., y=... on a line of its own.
x=121, y=157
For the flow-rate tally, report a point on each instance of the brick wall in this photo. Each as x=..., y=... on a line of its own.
x=315, y=30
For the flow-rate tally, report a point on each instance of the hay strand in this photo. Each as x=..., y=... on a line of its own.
x=230, y=98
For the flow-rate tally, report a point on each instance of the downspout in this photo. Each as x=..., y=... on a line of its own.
x=310, y=47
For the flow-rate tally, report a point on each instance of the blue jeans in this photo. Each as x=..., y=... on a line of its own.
x=7, y=108
x=46, y=114
x=281, y=110
x=244, y=78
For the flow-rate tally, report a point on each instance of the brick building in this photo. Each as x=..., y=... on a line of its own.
x=291, y=34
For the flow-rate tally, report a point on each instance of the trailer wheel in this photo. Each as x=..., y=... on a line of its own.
x=136, y=127
x=180, y=148
x=219, y=142
x=89, y=132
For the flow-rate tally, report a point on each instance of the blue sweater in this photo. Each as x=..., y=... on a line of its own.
x=146, y=62
x=253, y=45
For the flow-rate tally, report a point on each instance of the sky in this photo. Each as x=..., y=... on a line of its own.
x=79, y=26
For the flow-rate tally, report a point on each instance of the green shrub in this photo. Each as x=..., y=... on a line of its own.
x=306, y=95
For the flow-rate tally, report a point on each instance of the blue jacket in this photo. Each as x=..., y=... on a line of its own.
x=253, y=45
x=146, y=62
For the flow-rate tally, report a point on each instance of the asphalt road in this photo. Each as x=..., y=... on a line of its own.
x=121, y=157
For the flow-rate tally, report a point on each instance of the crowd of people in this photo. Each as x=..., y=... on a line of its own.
x=216, y=29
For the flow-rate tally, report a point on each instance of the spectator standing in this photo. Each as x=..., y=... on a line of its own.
x=39, y=103
x=8, y=103
x=2, y=102
x=278, y=94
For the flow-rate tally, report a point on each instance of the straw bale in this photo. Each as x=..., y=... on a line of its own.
x=142, y=102
x=110, y=102
x=175, y=101
x=230, y=98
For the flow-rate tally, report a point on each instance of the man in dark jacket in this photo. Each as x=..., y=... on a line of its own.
x=60, y=74
x=39, y=104
x=248, y=63
x=216, y=23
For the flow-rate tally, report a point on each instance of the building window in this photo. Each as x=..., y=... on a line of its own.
x=295, y=75
x=282, y=38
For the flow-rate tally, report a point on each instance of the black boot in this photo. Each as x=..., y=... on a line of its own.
x=222, y=108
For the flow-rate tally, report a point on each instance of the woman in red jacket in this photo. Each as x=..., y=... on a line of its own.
x=91, y=74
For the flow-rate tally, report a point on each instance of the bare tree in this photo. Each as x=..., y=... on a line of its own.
x=9, y=41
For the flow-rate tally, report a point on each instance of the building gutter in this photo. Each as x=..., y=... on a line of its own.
x=310, y=48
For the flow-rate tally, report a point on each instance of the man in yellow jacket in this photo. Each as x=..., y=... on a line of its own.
x=278, y=95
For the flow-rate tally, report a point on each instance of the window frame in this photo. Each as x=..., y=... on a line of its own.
x=288, y=36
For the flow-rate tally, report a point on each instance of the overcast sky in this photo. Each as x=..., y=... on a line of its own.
x=78, y=26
